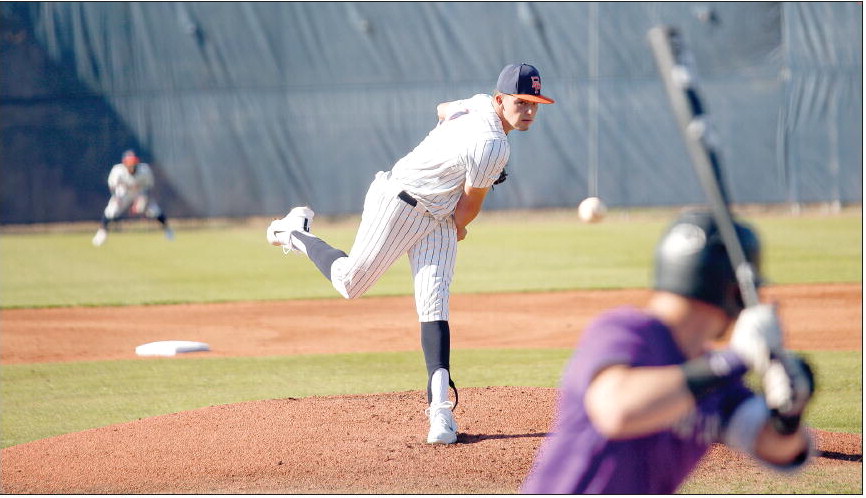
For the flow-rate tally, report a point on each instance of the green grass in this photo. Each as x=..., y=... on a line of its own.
x=502, y=254
x=812, y=249
x=49, y=399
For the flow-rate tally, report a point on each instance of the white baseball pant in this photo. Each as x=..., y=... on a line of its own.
x=391, y=227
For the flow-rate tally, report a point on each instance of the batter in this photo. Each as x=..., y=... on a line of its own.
x=645, y=395
x=421, y=207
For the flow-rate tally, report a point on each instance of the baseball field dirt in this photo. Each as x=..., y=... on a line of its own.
x=372, y=443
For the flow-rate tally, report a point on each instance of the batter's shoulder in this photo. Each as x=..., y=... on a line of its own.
x=623, y=318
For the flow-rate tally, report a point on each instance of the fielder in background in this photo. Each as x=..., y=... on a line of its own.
x=130, y=183
x=644, y=395
x=421, y=207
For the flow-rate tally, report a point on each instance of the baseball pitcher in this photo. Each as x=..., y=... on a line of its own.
x=421, y=207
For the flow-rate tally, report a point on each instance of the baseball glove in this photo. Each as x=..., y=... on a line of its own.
x=139, y=205
x=502, y=177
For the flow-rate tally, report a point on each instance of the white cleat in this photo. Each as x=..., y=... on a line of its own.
x=280, y=231
x=100, y=237
x=169, y=234
x=443, y=427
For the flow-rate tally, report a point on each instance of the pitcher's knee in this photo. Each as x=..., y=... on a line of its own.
x=346, y=292
x=350, y=281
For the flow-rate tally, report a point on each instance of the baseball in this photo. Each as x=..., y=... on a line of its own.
x=591, y=210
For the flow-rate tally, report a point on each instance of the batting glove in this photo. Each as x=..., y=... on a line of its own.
x=788, y=386
x=757, y=335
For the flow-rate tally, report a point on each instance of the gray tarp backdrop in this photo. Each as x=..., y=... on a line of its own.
x=251, y=108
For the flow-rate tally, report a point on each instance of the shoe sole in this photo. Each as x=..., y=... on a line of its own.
x=451, y=439
x=290, y=246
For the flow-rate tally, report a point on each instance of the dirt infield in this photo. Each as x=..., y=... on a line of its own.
x=819, y=317
x=348, y=444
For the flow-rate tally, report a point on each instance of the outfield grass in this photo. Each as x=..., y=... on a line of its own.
x=524, y=253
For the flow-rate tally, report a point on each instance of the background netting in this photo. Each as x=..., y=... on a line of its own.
x=250, y=108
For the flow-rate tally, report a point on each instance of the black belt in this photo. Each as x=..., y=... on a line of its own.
x=408, y=199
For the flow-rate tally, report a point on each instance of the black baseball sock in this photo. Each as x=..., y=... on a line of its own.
x=320, y=252
x=436, y=344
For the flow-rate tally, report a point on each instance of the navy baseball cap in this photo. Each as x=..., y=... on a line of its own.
x=522, y=81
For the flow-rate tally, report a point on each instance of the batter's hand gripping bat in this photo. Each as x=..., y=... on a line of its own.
x=675, y=64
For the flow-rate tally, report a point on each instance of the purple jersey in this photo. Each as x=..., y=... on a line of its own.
x=576, y=458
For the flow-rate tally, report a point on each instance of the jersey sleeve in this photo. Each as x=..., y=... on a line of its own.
x=454, y=110
x=486, y=160
x=622, y=337
x=458, y=108
x=602, y=346
x=609, y=344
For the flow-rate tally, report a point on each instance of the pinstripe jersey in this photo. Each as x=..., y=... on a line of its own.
x=469, y=147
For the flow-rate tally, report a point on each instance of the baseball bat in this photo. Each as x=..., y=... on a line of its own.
x=675, y=64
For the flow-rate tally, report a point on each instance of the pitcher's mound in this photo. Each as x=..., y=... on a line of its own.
x=346, y=444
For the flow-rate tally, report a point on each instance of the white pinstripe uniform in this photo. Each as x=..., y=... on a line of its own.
x=468, y=146
x=411, y=210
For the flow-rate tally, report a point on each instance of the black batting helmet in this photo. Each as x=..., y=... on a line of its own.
x=691, y=261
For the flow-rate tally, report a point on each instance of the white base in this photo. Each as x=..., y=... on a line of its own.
x=170, y=348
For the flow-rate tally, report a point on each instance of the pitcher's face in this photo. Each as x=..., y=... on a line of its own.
x=515, y=113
